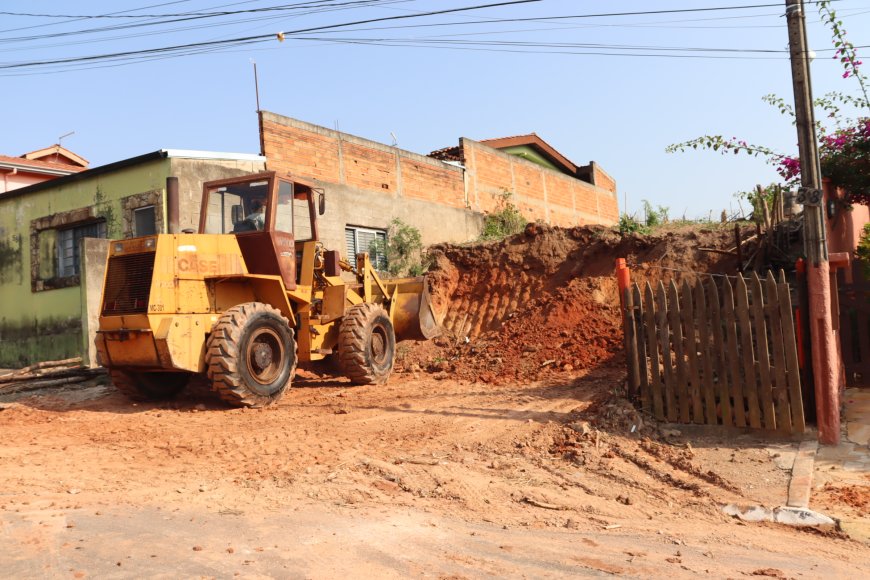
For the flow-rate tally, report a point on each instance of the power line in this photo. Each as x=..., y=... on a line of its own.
x=128, y=35
x=261, y=37
x=131, y=56
x=77, y=19
x=115, y=15
x=317, y=6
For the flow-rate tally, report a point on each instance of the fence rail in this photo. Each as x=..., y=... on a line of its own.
x=716, y=353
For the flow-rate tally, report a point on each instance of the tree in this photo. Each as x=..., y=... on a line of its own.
x=844, y=144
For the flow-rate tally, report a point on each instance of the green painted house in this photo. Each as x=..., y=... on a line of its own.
x=52, y=243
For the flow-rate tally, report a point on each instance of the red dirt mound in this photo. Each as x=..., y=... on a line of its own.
x=545, y=301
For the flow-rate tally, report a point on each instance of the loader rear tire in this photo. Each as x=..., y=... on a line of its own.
x=251, y=355
x=148, y=386
x=366, y=345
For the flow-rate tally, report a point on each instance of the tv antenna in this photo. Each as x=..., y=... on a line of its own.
x=62, y=137
x=256, y=84
x=395, y=139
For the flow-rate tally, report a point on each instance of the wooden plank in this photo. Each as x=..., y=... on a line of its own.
x=690, y=332
x=762, y=353
x=640, y=340
x=682, y=373
x=630, y=333
x=706, y=356
x=750, y=379
x=720, y=364
x=665, y=342
x=789, y=343
x=652, y=349
x=780, y=390
x=729, y=320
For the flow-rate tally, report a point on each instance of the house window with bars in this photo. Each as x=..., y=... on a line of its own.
x=360, y=240
x=144, y=221
x=69, y=245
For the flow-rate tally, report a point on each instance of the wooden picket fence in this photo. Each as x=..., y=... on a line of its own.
x=698, y=354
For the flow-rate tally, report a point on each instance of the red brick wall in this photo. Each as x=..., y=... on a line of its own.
x=310, y=151
x=602, y=179
x=540, y=193
x=315, y=152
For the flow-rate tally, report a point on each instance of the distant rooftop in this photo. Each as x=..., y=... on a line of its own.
x=54, y=160
x=531, y=140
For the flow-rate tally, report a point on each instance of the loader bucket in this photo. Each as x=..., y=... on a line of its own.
x=413, y=315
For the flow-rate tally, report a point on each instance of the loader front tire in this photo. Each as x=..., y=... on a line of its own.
x=251, y=355
x=148, y=386
x=366, y=345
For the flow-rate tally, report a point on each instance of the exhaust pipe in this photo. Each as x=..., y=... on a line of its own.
x=172, y=204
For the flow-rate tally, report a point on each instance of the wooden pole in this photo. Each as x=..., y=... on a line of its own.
x=739, y=249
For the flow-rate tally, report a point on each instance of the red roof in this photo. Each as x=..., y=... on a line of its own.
x=57, y=154
x=531, y=140
x=37, y=165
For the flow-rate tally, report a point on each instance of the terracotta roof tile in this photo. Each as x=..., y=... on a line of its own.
x=35, y=164
x=448, y=154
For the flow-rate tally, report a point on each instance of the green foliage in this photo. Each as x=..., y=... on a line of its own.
x=628, y=224
x=845, y=50
x=863, y=252
x=845, y=144
x=104, y=208
x=505, y=221
x=655, y=216
x=402, y=251
x=757, y=199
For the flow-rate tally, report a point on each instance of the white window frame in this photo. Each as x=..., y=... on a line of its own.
x=352, y=252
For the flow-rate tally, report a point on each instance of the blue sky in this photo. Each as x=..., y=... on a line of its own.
x=620, y=111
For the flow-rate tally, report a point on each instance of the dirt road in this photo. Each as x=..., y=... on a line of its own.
x=422, y=477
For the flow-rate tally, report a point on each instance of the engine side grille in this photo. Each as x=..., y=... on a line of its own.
x=128, y=284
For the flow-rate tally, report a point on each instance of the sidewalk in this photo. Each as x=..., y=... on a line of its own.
x=841, y=486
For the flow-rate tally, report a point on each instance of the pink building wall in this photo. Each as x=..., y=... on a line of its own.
x=19, y=179
x=845, y=228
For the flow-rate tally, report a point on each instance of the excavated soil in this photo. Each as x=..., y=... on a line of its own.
x=545, y=303
x=854, y=498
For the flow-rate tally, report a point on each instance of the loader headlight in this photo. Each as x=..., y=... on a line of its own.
x=149, y=243
x=119, y=247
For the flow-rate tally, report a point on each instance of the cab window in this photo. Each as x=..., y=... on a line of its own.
x=237, y=208
x=293, y=213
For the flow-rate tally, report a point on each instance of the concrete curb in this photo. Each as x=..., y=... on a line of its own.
x=790, y=516
x=801, y=484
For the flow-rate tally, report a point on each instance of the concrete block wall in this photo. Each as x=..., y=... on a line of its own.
x=192, y=173
x=94, y=253
x=540, y=193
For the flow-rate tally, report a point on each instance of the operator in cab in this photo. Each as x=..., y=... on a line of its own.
x=258, y=214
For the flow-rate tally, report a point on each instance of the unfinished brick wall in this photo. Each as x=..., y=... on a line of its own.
x=315, y=152
x=602, y=179
x=540, y=193
x=369, y=183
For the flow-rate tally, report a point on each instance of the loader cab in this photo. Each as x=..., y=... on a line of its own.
x=274, y=220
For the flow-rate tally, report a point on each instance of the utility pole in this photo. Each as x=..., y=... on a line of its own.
x=824, y=352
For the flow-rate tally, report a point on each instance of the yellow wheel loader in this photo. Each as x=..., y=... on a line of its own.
x=248, y=297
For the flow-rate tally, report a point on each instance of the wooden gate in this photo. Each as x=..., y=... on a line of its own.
x=854, y=299
x=716, y=353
